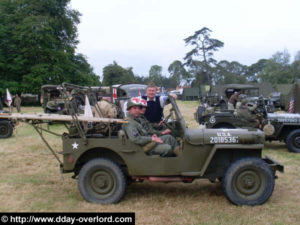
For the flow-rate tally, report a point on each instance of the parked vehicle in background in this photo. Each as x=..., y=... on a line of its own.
x=219, y=95
x=6, y=126
x=276, y=126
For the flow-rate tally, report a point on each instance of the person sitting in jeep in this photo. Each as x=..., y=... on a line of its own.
x=233, y=100
x=147, y=125
x=152, y=144
x=245, y=113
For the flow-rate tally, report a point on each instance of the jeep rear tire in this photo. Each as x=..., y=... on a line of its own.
x=101, y=181
x=248, y=181
x=293, y=141
x=6, y=129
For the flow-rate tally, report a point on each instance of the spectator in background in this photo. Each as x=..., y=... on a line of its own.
x=17, y=103
x=155, y=104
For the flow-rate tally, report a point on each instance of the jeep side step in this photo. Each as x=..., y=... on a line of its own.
x=164, y=179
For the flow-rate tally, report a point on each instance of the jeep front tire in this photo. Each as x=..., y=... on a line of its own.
x=248, y=181
x=293, y=141
x=101, y=181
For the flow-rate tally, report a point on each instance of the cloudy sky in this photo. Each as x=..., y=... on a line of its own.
x=142, y=33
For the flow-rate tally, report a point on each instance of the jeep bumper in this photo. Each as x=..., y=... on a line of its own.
x=274, y=164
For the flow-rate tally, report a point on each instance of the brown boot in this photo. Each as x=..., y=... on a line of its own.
x=177, y=151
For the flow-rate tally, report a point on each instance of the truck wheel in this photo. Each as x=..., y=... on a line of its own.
x=248, y=181
x=293, y=141
x=101, y=181
x=6, y=129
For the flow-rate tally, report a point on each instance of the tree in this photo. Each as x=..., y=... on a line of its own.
x=115, y=74
x=177, y=72
x=203, y=47
x=297, y=56
x=253, y=70
x=37, y=45
x=155, y=75
x=295, y=67
x=229, y=72
x=277, y=70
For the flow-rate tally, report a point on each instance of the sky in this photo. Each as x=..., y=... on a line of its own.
x=142, y=33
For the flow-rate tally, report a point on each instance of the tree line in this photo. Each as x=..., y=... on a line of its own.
x=38, y=41
x=199, y=67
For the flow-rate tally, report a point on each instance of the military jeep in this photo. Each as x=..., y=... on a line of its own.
x=276, y=126
x=105, y=163
x=220, y=94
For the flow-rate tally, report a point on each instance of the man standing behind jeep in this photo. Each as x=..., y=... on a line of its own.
x=155, y=104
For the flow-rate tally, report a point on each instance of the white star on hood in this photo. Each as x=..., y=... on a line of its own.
x=75, y=145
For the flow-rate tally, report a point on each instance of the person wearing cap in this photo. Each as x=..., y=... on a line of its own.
x=147, y=125
x=232, y=100
x=155, y=104
x=245, y=114
x=151, y=143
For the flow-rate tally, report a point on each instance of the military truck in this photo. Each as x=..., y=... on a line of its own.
x=130, y=90
x=276, y=126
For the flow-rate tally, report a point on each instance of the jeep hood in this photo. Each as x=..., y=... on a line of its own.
x=284, y=117
x=224, y=136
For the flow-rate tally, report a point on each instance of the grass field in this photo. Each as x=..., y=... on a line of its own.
x=30, y=180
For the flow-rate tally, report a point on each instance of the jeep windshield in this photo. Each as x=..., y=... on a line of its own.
x=132, y=90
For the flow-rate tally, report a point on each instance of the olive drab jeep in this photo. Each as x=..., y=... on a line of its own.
x=105, y=162
x=53, y=97
x=220, y=94
x=276, y=126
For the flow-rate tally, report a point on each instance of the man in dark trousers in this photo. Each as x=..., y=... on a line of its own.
x=155, y=104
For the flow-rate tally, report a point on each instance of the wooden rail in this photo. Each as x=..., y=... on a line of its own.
x=56, y=117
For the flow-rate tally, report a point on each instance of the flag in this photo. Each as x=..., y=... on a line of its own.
x=114, y=94
x=291, y=108
x=87, y=108
x=8, y=97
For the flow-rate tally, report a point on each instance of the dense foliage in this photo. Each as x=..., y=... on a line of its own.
x=115, y=74
x=38, y=39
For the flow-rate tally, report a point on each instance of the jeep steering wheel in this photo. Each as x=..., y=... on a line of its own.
x=165, y=121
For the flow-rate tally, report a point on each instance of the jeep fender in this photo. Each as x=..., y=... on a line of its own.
x=216, y=148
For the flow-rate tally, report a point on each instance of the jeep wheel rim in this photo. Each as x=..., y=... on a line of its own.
x=248, y=183
x=101, y=182
x=3, y=129
x=297, y=141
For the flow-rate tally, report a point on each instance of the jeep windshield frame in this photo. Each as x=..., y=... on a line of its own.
x=178, y=114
